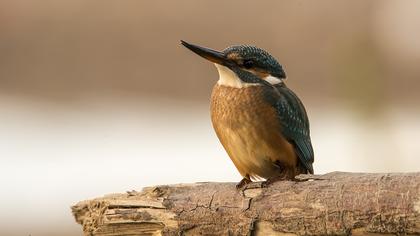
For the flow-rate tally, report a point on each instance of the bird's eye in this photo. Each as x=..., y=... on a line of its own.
x=248, y=64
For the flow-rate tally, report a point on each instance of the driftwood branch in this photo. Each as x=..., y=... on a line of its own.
x=332, y=204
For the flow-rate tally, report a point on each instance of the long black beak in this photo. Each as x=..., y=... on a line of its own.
x=209, y=54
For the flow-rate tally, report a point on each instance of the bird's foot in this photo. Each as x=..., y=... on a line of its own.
x=243, y=183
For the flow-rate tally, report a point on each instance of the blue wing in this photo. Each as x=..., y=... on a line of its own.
x=295, y=125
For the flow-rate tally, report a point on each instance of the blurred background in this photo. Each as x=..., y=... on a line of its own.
x=99, y=97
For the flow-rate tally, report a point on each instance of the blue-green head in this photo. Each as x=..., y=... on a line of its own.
x=250, y=64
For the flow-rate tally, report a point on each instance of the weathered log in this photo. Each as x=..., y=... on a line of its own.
x=333, y=204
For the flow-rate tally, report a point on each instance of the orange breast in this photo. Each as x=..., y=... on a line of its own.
x=250, y=132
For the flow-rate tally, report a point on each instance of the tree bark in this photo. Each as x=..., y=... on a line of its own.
x=332, y=204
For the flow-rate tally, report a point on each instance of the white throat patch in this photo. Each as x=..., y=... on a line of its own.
x=228, y=78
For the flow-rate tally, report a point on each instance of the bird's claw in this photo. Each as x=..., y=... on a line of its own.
x=243, y=183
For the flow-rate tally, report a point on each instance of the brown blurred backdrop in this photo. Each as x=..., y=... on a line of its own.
x=91, y=90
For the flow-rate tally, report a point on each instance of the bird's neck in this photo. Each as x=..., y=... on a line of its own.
x=229, y=78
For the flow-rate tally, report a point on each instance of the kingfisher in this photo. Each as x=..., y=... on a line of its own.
x=261, y=123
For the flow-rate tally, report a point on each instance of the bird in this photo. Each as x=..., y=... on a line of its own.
x=261, y=123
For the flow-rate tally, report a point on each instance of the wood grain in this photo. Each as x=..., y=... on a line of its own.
x=332, y=204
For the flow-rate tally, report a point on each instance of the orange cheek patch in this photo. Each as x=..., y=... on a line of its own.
x=234, y=57
x=262, y=74
x=259, y=74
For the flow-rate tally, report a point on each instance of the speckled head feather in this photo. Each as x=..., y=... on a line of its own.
x=247, y=55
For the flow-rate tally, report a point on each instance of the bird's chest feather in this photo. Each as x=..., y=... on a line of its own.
x=239, y=108
x=248, y=128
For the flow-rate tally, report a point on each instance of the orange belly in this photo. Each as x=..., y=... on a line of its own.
x=250, y=132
